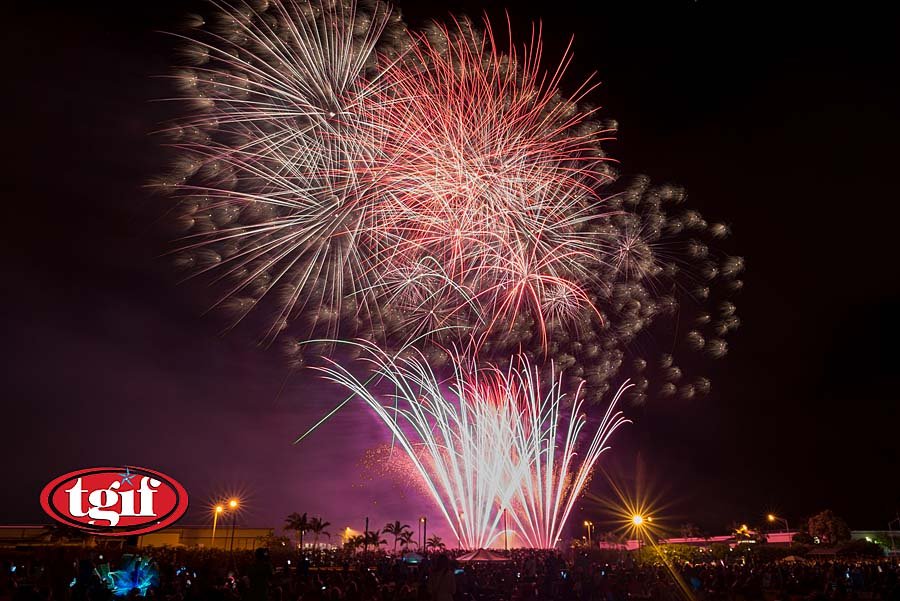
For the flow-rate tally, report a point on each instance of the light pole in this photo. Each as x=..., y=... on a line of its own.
x=216, y=511
x=774, y=518
x=233, y=506
x=424, y=521
x=419, y=536
x=588, y=524
x=505, y=530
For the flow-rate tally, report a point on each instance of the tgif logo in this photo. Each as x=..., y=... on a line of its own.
x=115, y=501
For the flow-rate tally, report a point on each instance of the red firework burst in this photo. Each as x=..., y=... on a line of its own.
x=490, y=172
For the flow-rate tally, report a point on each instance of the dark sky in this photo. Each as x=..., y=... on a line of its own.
x=784, y=124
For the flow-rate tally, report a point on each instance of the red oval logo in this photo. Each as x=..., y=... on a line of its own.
x=115, y=501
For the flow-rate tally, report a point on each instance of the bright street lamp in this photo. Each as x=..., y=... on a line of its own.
x=233, y=505
x=423, y=530
x=639, y=522
x=774, y=518
x=216, y=511
x=588, y=524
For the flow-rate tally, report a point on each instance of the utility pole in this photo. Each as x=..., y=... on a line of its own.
x=233, y=522
x=505, y=531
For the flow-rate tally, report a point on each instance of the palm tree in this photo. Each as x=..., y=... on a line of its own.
x=435, y=542
x=397, y=529
x=354, y=542
x=317, y=527
x=689, y=530
x=406, y=538
x=610, y=538
x=298, y=523
x=373, y=537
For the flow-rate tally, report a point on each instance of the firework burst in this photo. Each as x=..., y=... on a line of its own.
x=487, y=440
x=328, y=172
x=344, y=177
x=491, y=173
x=271, y=188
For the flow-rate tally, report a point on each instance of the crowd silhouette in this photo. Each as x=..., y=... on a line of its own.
x=180, y=574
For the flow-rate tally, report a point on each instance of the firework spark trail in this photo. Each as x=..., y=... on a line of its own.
x=487, y=440
x=551, y=486
x=344, y=177
x=462, y=462
x=431, y=190
x=341, y=169
x=486, y=173
x=283, y=91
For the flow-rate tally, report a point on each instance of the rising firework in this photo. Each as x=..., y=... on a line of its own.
x=488, y=441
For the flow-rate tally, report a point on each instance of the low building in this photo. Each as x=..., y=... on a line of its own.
x=23, y=536
x=26, y=536
x=204, y=537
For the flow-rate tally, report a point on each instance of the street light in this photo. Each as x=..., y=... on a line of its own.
x=216, y=511
x=233, y=506
x=588, y=524
x=774, y=518
x=423, y=526
x=505, y=531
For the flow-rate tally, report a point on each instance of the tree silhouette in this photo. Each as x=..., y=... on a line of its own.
x=435, y=542
x=354, y=542
x=828, y=527
x=317, y=527
x=396, y=529
x=373, y=537
x=406, y=539
x=689, y=530
x=297, y=523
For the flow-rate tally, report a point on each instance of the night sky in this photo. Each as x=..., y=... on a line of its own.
x=784, y=125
